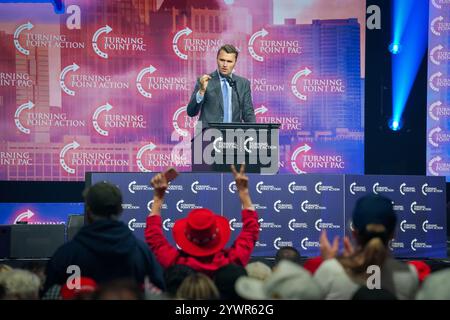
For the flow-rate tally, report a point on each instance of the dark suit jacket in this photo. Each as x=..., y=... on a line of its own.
x=211, y=107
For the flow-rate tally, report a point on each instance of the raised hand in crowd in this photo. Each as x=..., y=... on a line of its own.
x=160, y=183
x=242, y=186
x=330, y=251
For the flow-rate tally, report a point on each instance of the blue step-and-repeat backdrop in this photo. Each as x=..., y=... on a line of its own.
x=294, y=209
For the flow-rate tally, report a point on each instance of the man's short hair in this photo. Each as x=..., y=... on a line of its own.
x=228, y=48
x=103, y=199
x=287, y=253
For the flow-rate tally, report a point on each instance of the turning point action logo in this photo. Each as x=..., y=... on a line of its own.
x=29, y=105
x=73, y=67
x=71, y=146
x=182, y=123
x=28, y=26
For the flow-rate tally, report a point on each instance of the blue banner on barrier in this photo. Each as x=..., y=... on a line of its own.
x=294, y=209
x=420, y=206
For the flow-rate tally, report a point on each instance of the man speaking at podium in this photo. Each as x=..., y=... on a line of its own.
x=222, y=96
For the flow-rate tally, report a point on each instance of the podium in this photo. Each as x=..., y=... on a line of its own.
x=219, y=145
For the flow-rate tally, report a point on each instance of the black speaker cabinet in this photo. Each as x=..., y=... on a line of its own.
x=19, y=241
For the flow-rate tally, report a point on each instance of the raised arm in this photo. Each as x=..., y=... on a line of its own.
x=242, y=186
x=154, y=236
x=244, y=244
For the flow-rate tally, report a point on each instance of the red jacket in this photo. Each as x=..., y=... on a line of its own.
x=239, y=253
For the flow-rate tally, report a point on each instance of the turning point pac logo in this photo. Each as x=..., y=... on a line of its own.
x=106, y=29
x=142, y=150
x=140, y=87
x=295, y=154
x=302, y=73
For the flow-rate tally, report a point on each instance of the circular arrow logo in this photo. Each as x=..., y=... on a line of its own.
x=216, y=141
x=106, y=29
x=412, y=244
x=317, y=224
x=262, y=33
x=303, y=206
x=26, y=215
x=430, y=111
x=182, y=132
x=261, y=110
x=167, y=224
x=436, y=5
x=139, y=86
x=317, y=187
x=424, y=192
x=290, y=187
x=275, y=243
x=431, y=81
x=275, y=205
x=401, y=189
x=302, y=243
x=430, y=136
x=412, y=207
x=438, y=19
x=431, y=163
x=232, y=187
x=107, y=107
x=185, y=32
x=178, y=205
x=130, y=224
x=150, y=206
x=247, y=144
x=71, y=146
x=130, y=186
x=304, y=148
x=27, y=26
x=290, y=224
x=142, y=150
x=374, y=187
x=193, y=186
x=232, y=221
x=302, y=73
x=424, y=226
x=401, y=225
x=73, y=67
x=351, y=188
x=29, y=105
x=433, y=51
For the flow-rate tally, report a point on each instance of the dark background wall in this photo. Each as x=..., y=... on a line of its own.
x=388, y=152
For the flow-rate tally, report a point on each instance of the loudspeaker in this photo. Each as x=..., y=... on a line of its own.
x=76, y=222
x=30, y=241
